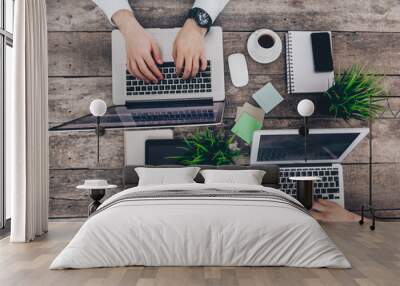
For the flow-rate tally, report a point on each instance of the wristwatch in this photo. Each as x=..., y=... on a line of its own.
x=201, y=17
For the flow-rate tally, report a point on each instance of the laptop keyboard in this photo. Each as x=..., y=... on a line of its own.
x=185, y=116
x=171, y=84
x=327, y=188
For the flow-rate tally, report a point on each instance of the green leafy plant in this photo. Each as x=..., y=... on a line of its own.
x=356, y=95
x=209, y=148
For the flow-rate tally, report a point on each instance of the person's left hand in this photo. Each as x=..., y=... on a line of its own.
x=188, y=50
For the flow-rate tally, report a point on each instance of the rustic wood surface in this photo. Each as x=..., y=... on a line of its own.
x=71, y=96
x=335, y=15
x=89, y=53
x=66, y=200
x=364, y=32
x=375, y=258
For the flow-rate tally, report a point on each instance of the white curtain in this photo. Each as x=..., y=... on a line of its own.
x=27, y=123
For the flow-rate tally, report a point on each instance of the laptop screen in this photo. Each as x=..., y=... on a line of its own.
x=321, y=147
x=164, y=151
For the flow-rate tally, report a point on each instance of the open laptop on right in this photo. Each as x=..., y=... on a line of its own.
x=326, y=149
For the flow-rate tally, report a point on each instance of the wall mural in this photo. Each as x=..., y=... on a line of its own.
x=80, y=71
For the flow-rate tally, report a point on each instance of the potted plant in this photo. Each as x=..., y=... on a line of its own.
x=209, y=147
x=355, y=94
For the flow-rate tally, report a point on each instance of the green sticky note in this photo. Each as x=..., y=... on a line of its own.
x=245, y=127
x=267, y=97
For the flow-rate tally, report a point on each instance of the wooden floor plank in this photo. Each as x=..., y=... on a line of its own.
x=89, y=54
x=69, y=98
x=375, y=258
x=336, y=15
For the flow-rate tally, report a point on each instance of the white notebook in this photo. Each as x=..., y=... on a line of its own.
x=301, y=76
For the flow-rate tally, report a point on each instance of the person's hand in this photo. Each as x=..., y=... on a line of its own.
x=327, y=211
x=188, y=50
x=143, y=53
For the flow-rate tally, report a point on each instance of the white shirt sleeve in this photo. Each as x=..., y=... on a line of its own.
x=212, y=7
x=109, y=7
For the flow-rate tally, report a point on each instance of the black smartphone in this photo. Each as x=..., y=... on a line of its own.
x=322, y=52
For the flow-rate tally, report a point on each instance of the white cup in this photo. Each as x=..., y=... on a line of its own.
x=264, y=46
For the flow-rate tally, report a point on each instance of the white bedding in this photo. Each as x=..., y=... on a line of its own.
x=200, y=231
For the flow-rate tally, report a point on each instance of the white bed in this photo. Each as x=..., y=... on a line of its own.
x=203, y=231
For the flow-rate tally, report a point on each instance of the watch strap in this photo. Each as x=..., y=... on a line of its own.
x=193, y=15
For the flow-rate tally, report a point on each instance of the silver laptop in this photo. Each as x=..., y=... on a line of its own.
x=206, y=85
x=327, y=148
x=173, y=101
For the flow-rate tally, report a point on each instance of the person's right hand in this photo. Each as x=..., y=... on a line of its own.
x=143, y=53
x=328, y=211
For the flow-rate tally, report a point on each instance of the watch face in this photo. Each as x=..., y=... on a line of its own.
x=203, y=19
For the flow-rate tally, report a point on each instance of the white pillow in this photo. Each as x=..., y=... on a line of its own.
x=247, y=177
x=166, y=176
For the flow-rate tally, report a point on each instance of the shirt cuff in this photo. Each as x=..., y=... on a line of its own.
x=212, y=7
x=110, y=7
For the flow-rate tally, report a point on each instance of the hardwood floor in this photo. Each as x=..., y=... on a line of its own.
x=375, y=257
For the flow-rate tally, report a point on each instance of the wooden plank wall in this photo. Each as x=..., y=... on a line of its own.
x=79, y=40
